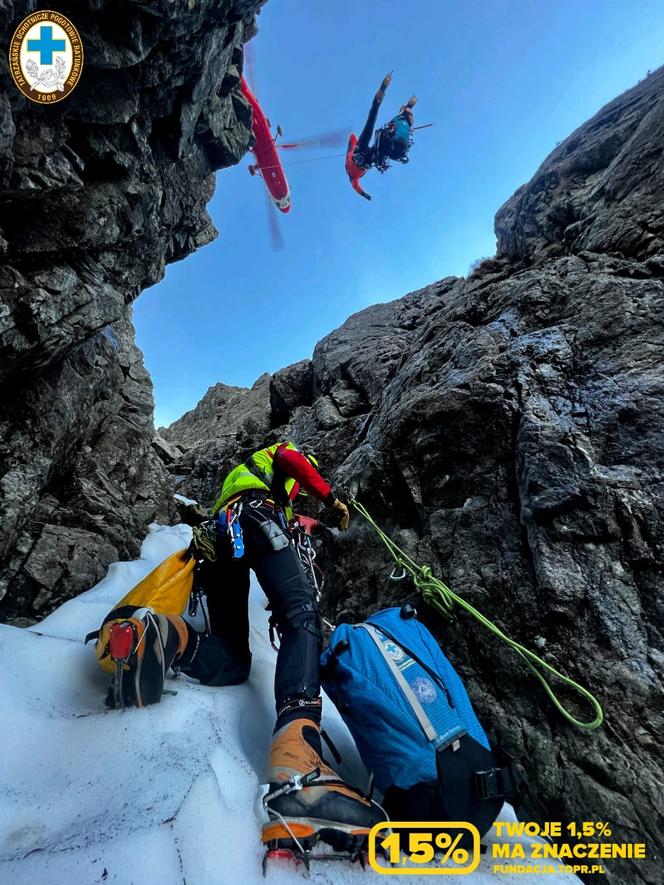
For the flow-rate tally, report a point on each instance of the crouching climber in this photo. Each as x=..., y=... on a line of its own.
x=249, y=531
x=144, y=635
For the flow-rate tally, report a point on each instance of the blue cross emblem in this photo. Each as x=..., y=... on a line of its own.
x=394, y=651
x=46, y=45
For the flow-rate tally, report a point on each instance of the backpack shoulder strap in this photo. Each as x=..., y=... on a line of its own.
x=418, y=660
x=408, y=692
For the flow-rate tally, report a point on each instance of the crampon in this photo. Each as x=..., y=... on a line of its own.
x=304, y=840
x=305, y=850
x=142, y=649
x=122, y=641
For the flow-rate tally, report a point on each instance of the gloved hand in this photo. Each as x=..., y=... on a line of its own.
x=344, y=519
x=366, y=196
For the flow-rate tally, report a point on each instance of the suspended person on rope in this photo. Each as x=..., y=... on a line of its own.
x=249, y=531
x=392, y=141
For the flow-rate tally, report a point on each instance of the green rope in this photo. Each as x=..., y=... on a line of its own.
x=439, y=596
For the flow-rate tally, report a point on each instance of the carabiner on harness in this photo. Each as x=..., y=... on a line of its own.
x=228, y=521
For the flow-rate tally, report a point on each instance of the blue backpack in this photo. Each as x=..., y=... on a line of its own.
x=412, y=721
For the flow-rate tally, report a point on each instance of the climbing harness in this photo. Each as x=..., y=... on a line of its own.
x=381, y=151
x=274, y=534
x=439, y=596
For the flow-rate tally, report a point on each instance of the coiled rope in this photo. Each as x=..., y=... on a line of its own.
x=439, y=596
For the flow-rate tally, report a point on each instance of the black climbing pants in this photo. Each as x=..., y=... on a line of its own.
x=226, y=584
x=363, y=141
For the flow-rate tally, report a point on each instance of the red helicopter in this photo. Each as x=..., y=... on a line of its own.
x=266, y=153
x=268, y=164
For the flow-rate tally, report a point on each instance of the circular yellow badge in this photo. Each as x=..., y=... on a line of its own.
x=46, y=56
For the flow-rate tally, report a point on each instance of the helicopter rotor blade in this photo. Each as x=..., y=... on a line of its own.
x=276, y=236
x=336, y=138
x=250, y=72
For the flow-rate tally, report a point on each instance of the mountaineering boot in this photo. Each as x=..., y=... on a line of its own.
x=142, y=649
x=308, y=801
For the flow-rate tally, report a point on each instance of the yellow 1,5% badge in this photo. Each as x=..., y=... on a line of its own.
x=444, y=847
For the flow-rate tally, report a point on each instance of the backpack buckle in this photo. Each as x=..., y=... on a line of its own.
x=494, y=783
x=296, y=782
x=486, y=784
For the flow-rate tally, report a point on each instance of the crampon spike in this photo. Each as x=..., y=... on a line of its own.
x=118, y=677
x=121, y=641
x=283, y=852
x=286, y=855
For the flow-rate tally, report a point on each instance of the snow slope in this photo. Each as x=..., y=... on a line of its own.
x=165, y=795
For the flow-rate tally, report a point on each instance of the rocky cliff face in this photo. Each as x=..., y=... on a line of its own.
x=97, y=194
x=508, y=430
x=211, y=441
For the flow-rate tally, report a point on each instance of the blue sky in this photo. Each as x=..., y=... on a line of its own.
x=502, y=80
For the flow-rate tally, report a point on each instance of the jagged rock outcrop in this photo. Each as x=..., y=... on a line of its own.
x=97, y=194
x=84, y=480
x=289, y=388
x=509, y=430
x=599, y=191
x=226, y=421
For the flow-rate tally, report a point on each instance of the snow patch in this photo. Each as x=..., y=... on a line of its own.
x=188, y=501
x=164, y=795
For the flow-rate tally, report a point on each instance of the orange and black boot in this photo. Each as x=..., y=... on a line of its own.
x=308, y=802
x=142, y=648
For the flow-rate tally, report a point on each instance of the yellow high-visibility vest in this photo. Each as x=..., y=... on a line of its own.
x=257, y=472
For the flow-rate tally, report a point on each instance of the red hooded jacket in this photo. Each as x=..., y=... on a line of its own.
x=354, y=171
x=297, y=467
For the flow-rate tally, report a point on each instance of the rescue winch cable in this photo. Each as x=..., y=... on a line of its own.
x=440, y=597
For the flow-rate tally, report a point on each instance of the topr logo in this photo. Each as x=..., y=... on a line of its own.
x=425, y=690
x=394, y=651
x=46, y=56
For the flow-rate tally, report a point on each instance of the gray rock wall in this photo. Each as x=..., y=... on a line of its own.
x=509, y=430
x=97, y=194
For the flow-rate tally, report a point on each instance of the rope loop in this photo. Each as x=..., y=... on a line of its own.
x=439, y=596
